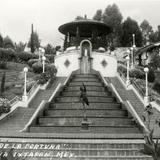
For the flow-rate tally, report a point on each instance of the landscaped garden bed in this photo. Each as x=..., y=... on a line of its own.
x=14, y=79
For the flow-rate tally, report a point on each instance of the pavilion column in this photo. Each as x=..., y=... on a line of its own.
x=77, y=37
x=94, y=38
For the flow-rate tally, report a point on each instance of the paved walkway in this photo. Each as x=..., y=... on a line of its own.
x=20, y=117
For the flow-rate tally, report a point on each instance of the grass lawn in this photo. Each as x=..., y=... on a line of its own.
x=14, y=80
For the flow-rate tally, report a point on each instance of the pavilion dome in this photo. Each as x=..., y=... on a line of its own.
x=86, y=26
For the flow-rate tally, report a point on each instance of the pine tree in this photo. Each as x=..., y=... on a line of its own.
x=3, y=84
x=34, y=42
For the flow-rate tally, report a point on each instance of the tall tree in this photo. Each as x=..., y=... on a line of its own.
x=130, y=27
x=3, y=84
x=1, y=41
x=8, y=43
x=113, y=17
x=19, y=47
x=98, y=15
x=49, y=49
x=146, y=29
x=158, y=38
x=34, y=41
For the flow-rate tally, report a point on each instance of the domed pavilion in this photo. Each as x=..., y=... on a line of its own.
x=79, y=30
x=85, y=48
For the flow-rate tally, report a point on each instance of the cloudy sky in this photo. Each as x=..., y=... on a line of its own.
x=16, y=16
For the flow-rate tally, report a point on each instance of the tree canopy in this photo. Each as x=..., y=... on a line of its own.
x=146, y=29
x=34, y=41
x=98, y=15
x=1, y=41
x=130, y=27
x=113, y=17
x=7, y=42
x=49, y=49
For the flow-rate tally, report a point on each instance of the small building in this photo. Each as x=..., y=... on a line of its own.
x=145, y=54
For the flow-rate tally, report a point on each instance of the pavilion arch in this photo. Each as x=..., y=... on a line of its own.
x=81, y=47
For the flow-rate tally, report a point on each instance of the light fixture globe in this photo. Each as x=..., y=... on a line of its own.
x=128, y=51
x=127, y=58
x=146, y=70
x=134, y=46
x=43, y=58
x=25, y=69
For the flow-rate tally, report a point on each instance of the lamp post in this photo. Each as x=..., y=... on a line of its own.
x=127, y=80
x=133, y=35
x=25, y=70
x=132, y=58
x=43, y=62
x=146, y=97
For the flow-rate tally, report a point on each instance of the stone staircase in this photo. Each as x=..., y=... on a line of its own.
x=58, y=132
x=80, y=150
x=65, y=112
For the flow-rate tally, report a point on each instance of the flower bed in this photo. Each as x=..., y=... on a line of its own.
x=4, y=105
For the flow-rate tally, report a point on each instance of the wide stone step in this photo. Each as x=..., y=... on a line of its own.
x=77, y=121
x=71, y=105
x=75, y=150
x=85, y=79
x=89, y=93
x=86, y=157
x=89, y=112
x=77, y=129
x=88, y=88
x=86, y=83
x=90, y=99
x=85, y=76
x=91, y=152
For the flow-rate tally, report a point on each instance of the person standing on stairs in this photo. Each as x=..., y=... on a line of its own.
x=84, y=99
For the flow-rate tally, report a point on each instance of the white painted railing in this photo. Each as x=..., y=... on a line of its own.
x=116, y=93
x=14, y=100
x=103, y=79
x=66, y=81
x=134, y=114
x=55, y=91
x=128, y=105
x=34, y=116
x=32, y=90
x=43, y=103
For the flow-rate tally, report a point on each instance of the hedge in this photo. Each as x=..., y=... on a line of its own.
x=11, y=55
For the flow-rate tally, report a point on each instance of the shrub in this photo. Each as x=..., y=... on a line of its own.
x=122, y=70
x=137, y=74
x=4, y=105
x=7, y=54
x=3, y=64
x=37, y=67
x=50, y=73
x=151, y=76
x=32, y=61
x=25, y=56
x=156, y=87
x=44, y=77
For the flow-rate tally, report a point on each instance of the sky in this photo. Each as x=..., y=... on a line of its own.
x=16, y=16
